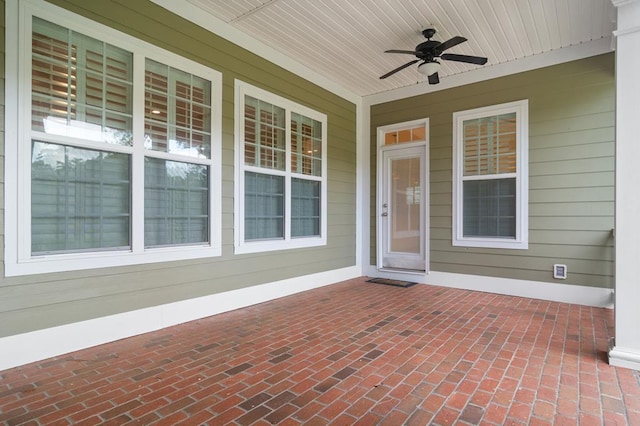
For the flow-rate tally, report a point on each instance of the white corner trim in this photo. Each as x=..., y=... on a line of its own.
x=554, y=57
x=363, y=119
x=564, y=293
x=623, y=357
x=41, y=344
x=217, y=26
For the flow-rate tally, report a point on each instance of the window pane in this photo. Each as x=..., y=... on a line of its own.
x=177, y=111
x=391, y=138
x=490, y=208
x=306, y=145
x=81, y=87
x=176, y=203
x=305, y=208
x=404, y=136
x=490, y=145
x=263, y=206
x=419, y=133
x=264, y=134
x=79, y=199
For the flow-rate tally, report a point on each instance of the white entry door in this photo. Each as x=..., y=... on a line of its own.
x=402, y=208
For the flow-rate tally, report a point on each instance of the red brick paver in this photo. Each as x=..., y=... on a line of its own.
x=349, y=353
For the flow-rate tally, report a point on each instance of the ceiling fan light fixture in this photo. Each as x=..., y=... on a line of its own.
x=429, y=68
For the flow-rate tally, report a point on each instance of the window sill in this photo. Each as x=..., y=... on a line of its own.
x=82, y=261
x=491, y=243
x=274, y=245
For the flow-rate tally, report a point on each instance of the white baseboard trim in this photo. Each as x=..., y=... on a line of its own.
x=37, y=345
x=565, y=293
x=624, y=357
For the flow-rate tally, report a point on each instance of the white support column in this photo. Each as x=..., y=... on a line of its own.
x=625, y=351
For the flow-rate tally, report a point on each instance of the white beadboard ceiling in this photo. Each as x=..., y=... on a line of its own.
x=345, y=40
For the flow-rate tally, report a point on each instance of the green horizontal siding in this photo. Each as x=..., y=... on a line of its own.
x=33, y=302
x=571, y=171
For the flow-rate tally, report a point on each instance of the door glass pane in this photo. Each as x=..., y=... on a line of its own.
x=80, y=199
x=176, y=203
x=405, y=205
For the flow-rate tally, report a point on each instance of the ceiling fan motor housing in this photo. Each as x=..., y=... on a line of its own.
x=425, y=50
x=428, y=32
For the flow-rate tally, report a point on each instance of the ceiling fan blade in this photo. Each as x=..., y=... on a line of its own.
x=400, y=68
x=449, y=44
x=408, y=52
x=464, y=58
x=433, y=78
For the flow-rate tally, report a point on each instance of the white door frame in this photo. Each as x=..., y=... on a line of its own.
x=380, y=176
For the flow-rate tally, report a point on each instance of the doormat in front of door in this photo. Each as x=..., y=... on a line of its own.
x=389, y=281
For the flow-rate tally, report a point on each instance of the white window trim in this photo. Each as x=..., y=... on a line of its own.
x=242, y=246
x=521, y=241
x=18, y=258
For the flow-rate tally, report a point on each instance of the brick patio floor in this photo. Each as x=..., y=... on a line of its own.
x=349, y=353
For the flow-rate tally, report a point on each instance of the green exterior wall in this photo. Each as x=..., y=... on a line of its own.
x=571, y=171
x=34, y=302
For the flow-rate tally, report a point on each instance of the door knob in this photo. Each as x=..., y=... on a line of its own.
x=385, y=214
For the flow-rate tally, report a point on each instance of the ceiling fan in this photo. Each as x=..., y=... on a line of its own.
x=429, y=50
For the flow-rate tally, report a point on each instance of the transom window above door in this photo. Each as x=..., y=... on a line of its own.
x=409, y=133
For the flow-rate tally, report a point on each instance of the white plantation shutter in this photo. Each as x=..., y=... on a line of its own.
x=490, y=158
x=177, y=121
x=264, y=148
x=82, y=88
x=490, y=145
x=490, y=171
x=177, y=111
x=306, y=160
x=81, y=198
x=101, y=180
x=265, y=152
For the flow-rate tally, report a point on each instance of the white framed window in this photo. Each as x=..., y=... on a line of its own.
x=281, y=173
x=490, y=176
x=112, y=147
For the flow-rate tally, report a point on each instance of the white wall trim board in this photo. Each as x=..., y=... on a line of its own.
x=564, y=293
x=555, y=57
x=623, y=357
x=226, y=31
x=41, y=344
x=362, y=159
